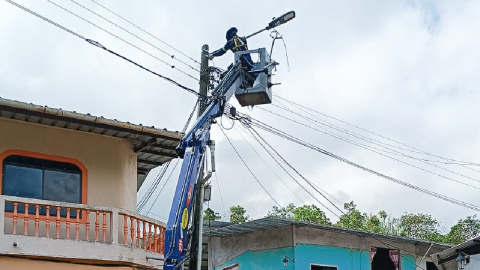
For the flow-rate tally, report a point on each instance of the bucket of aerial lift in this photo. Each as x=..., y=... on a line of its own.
x=260, y=92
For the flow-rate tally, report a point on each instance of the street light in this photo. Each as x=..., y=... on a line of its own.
x=286, y=259
x=461, y=261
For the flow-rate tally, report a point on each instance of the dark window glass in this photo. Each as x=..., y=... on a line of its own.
x=41, y=179
x=431, y=266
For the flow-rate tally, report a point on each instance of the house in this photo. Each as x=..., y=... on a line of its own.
x=467, y=254
x=271, y=243
x=68, y=184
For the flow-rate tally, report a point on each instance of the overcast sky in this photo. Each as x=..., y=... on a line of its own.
x=407, y=70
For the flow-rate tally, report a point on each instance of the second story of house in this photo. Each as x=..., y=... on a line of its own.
x=67, y=176
x=105, y=161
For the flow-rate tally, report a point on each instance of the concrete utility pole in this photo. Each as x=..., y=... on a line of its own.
x=204, y=83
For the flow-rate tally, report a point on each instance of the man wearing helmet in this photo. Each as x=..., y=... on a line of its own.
x=235, y=44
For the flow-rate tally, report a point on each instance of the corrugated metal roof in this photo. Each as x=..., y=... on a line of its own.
x=153, y=146
x=449, y=255
x=269, y=223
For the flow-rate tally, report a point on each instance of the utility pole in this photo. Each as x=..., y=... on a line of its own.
x=204, y=84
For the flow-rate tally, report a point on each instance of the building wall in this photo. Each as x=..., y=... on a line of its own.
x=474, y=263
x=308, y=246
x=12, y=263
x=110, y=162
x=261, y=260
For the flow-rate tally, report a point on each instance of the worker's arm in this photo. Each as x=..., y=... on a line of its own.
x=221, y=51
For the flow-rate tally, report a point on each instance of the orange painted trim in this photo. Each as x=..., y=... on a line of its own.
x=24, y=153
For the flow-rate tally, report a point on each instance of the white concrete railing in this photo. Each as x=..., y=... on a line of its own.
x=80, y=222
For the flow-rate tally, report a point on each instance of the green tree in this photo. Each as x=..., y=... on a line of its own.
x=282, y=212
x=464, y=230
x=237, y=214
x=209, y=214
x=420, y=226
x=311, y=213
x=353, y=218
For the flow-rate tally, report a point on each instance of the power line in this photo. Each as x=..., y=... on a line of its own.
x=291, y=176
x=279, y=178
x=369, y=148
x=358, y=136
x=221, y=197
x=297, y=172
x=248, y=168
x=101, y=46
x=164, y=184
x=145, y=32
x=394, y=152
x=143, y=201
x=121, y=39
x=249, y=122
x=146, y=197
x=376, y=134
x=118, y=26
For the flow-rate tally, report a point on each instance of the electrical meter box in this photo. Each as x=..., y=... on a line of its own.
x=254, y=87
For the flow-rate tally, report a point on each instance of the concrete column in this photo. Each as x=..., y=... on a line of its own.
x=114, y=226
x=2, y=215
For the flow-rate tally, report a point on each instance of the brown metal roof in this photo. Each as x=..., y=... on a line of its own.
x=153, y=146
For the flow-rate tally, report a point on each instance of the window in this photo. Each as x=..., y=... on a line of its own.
x=384, y=259
x=320, y=267
x=431, y=266
x=44, y=179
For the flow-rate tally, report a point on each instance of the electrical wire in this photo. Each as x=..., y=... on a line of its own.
x=380, y=144
x=248, y=168
x=221, y=197
x=250, y=122
x=316, y=188
x=271, y=169
x=121, y=39
x=390, y=157
x=356, y=135
x=414, y=149
x=301, y=176
x=100, y=46
x=146, y=197
x=143, y=201
x=164, y=184
x=118, y=26
x=136, y=26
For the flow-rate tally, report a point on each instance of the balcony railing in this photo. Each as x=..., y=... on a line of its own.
x=81, y=223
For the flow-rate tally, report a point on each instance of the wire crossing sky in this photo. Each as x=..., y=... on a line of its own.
x=378, y=83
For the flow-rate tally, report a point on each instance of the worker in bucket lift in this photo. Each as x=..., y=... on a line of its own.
x=235, y=44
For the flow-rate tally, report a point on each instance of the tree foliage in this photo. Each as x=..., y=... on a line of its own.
x=419, y=225
x=464, y=230
x=282, y=212
x=237, y=214
x=311, y=213
x=353, y=218
x=209, y=214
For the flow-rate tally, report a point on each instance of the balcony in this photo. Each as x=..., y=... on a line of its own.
x=79, y=233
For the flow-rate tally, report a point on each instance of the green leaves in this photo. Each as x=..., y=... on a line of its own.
x=209, y=214
x=237, y=214
x=282, y=212
x=311, y=213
